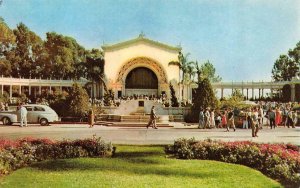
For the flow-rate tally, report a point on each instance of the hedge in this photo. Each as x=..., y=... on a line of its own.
x=23, y=152
x=277, y=161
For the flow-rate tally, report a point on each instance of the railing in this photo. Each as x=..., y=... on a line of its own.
x=39, y=82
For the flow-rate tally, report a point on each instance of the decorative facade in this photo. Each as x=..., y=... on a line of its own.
x=123, y=60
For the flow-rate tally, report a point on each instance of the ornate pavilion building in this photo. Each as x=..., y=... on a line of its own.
x=141, y=66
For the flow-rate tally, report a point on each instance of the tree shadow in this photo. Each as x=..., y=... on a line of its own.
x=130, y=162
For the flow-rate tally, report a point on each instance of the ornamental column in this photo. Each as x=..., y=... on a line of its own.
x=10, y=91
x=222, y=92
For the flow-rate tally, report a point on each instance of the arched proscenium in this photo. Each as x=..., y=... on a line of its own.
x=142, y=62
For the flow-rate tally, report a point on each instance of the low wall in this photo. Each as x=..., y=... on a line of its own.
x=132, y=106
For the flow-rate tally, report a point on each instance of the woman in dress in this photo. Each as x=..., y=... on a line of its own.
x=277, y=117
x=224, y=119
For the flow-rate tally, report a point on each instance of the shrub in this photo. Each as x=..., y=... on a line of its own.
x=23, y=152
x=278, y=161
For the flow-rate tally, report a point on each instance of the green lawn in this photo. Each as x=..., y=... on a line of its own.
x=136, y=166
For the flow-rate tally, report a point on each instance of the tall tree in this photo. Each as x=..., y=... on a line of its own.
x=202, y=98
x=64, y=54
x=284, y=69
x=7, y=43
x=294, y=54
x=174, y=100
x=208, y=71
x=237, y=95
x=186, y=66
x=287, y=66
x=78, y=100
x=28, y=53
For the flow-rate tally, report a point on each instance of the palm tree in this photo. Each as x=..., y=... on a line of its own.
x=186, y=67
x=95, y=72
x=198, y=71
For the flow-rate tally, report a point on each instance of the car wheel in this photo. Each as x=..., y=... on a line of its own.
x=6, y=121
x=44, y=122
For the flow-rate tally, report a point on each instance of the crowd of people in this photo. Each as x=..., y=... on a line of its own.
x=280, y=114
x=162, y=99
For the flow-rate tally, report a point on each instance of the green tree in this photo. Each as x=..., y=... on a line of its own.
x=78, y=100
x=294, y=54
x=174, y=100
x=7, y=43
x=237, y=95
x=28, y=53
x=64, y=53
x=208, y=71
x=202, y=98
x=186, y=67
x=284, y=69
x=92, y=66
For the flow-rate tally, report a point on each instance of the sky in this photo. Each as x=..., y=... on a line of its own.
x=241, y=38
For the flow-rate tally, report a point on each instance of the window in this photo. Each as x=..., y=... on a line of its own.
x=29, y=108
x=38, y=108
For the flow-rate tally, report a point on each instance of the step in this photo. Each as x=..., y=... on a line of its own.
x=134, y=124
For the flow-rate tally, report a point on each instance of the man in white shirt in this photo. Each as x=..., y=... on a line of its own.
x=23, y=113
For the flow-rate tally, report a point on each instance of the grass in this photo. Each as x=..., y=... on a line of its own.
x=136, y=166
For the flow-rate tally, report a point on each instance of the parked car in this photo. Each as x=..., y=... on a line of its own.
x=41, y=114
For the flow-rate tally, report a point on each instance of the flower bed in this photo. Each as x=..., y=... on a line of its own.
x=23, y=152
x=278, y=161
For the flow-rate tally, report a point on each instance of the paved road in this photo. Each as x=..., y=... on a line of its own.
x=140, y=135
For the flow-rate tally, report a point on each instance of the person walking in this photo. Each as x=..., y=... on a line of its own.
x=212, y=118
x=295, y=119
x=284, y=116
x=91, y=118
x=249, y=117
x=152, y=120
x=224, y=119
x=245, y=120
x=260, y=117
x=23, y=114
x=290, y=118
x=230, y=120
x=201, y=119
x=207, y=118
x=272, y=117
x=278, y=117
x=254, y=123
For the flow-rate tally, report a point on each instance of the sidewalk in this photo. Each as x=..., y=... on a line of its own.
x=141, y=135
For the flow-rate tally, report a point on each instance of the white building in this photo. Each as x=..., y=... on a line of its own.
x=141, y=66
